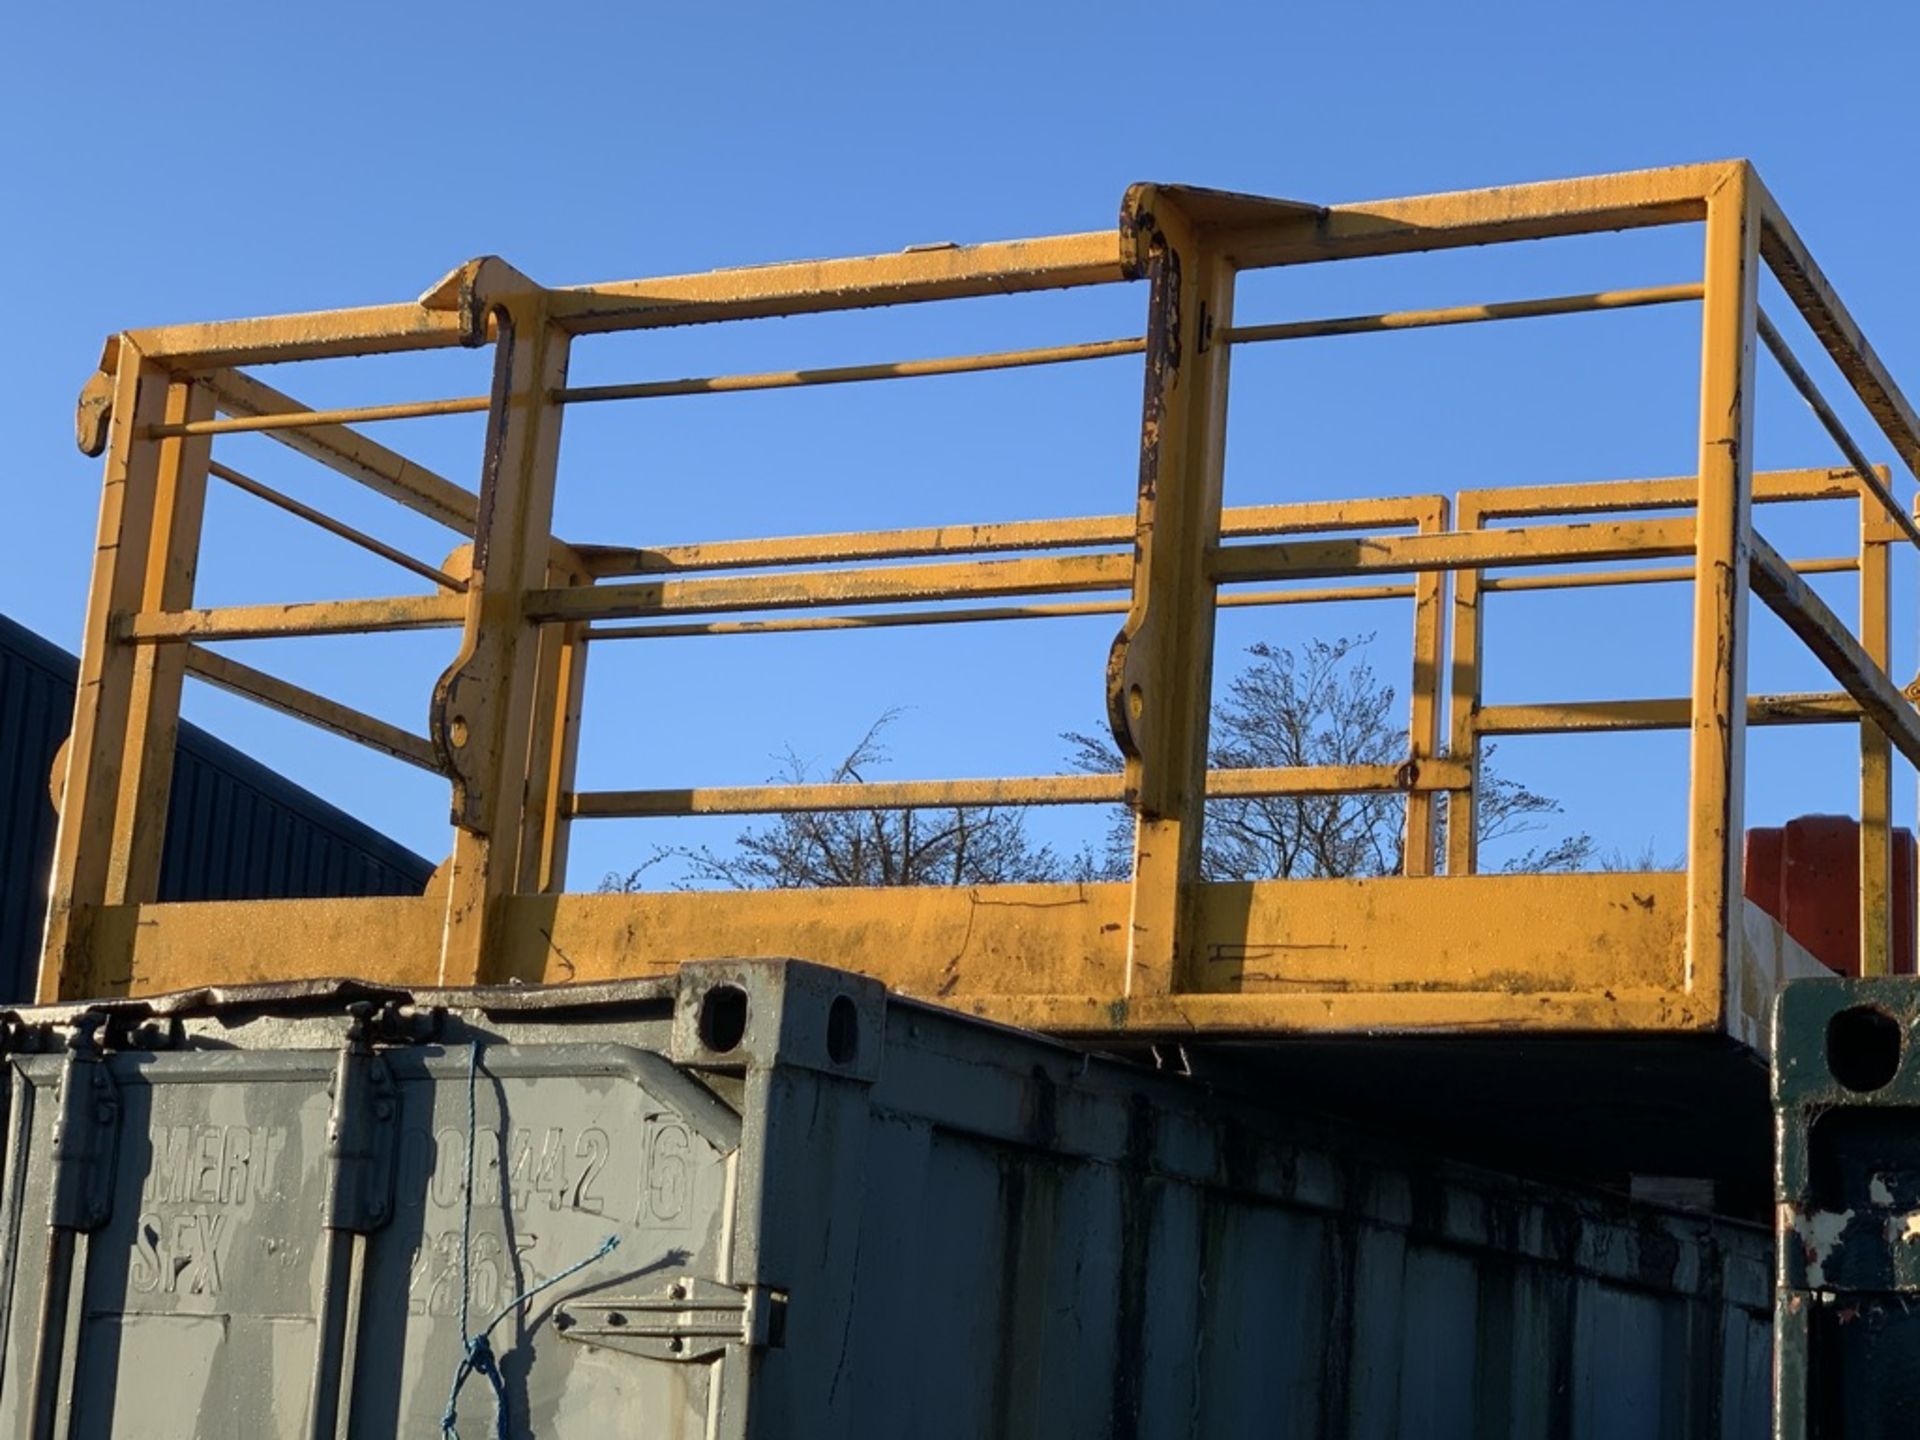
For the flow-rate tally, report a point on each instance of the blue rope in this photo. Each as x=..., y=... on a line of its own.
x=476, y=1357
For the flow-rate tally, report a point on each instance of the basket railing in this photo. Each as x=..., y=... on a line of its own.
x=504, y=720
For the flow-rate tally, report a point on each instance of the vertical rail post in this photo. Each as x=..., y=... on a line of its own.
x=1160, y=672
x=84, y=847
x=153, y=714
x=1717, y=734
x=553, y=753
x=484, y=707
x=1876, y=750
x=1423, y=725
x=1463, y=704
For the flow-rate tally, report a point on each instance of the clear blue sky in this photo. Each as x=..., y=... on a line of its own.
x=163, y=164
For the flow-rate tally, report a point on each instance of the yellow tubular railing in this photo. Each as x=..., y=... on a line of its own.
x=505, y=718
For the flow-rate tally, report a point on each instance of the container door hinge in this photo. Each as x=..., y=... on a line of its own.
x=363, y=1128
x=86, y=1133
x=685, y=1319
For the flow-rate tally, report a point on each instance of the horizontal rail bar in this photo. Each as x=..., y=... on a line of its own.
x=1835, y=427
x=1453, y=550
x=944, y=272
x=878, y=795
x=1575, y=717
x=852, y=374
x=1662, y=575
x=1593, y=497
x=1827, y=316
x=1257, y=784
x=1075, y=532
x=1465, y=314
x=311, y=617
x=606, y=561
x=1380, y=227
x=985, y=579
x=1025, y=790
x=303, y=704
x=313, y=419
x=316, y=335
x=803, y=623
x=1809, y=617
x=609, y=561
x=1501, y=213
x=384, y=471
x=335, y=527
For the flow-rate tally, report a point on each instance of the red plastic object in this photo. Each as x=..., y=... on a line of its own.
x=1806, y=874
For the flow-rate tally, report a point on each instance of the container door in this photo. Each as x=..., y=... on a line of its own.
x=217, y=1245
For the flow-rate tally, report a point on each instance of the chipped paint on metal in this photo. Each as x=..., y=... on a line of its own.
x=1821, y=1234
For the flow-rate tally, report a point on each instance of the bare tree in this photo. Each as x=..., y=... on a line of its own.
x=1324, y=705
x=959, y=845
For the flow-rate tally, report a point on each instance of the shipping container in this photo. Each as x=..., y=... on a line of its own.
x=288, y=1211
x=235, y=829
x=1847, y=1298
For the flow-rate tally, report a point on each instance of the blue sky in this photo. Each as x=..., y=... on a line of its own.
x=161, y=165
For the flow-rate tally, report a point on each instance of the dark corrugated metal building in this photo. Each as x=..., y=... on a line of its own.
x=235, y=829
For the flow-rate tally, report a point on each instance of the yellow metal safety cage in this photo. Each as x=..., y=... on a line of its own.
x=1164, y=952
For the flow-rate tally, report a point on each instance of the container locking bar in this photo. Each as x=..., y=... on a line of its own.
x=363, y=1127
x=689, y=1319
x=86, y=1132
x=362, y=1133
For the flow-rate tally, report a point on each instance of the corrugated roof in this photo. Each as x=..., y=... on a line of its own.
x=235, y=829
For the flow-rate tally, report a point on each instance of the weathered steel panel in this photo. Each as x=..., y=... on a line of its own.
x=1847, y=1320
x=235, y=829
x=837, y=1214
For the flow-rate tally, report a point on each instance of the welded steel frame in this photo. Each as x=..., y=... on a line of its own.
x=1164, y=951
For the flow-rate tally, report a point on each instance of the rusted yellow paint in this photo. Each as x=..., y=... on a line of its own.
x=924, y=542
x=1420, y=777
x=933, y=272
x=1889, y=510
x=94, y=796
x=153, y=712
x=1162, y=953
x=487, y=720
x=1160, y=668
x=1425, y=739
x=1464, y=314
x=1464, y=692
x=553, y=749
x=1522, y=545
x=349, y=453
x=1717, y=738
x=323, y=419
x=310, y=617
x=1876, y=751
x=853, y=374
x=878, y=585
x=1846, y=344
x=228, y=674
x=1401, y=935
x=1389, y=953
x=373, y=545
x=154, y=949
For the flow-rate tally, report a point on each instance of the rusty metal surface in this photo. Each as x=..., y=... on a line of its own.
x=838, y=1214
x=1846, y=1093
x=1180, y=956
